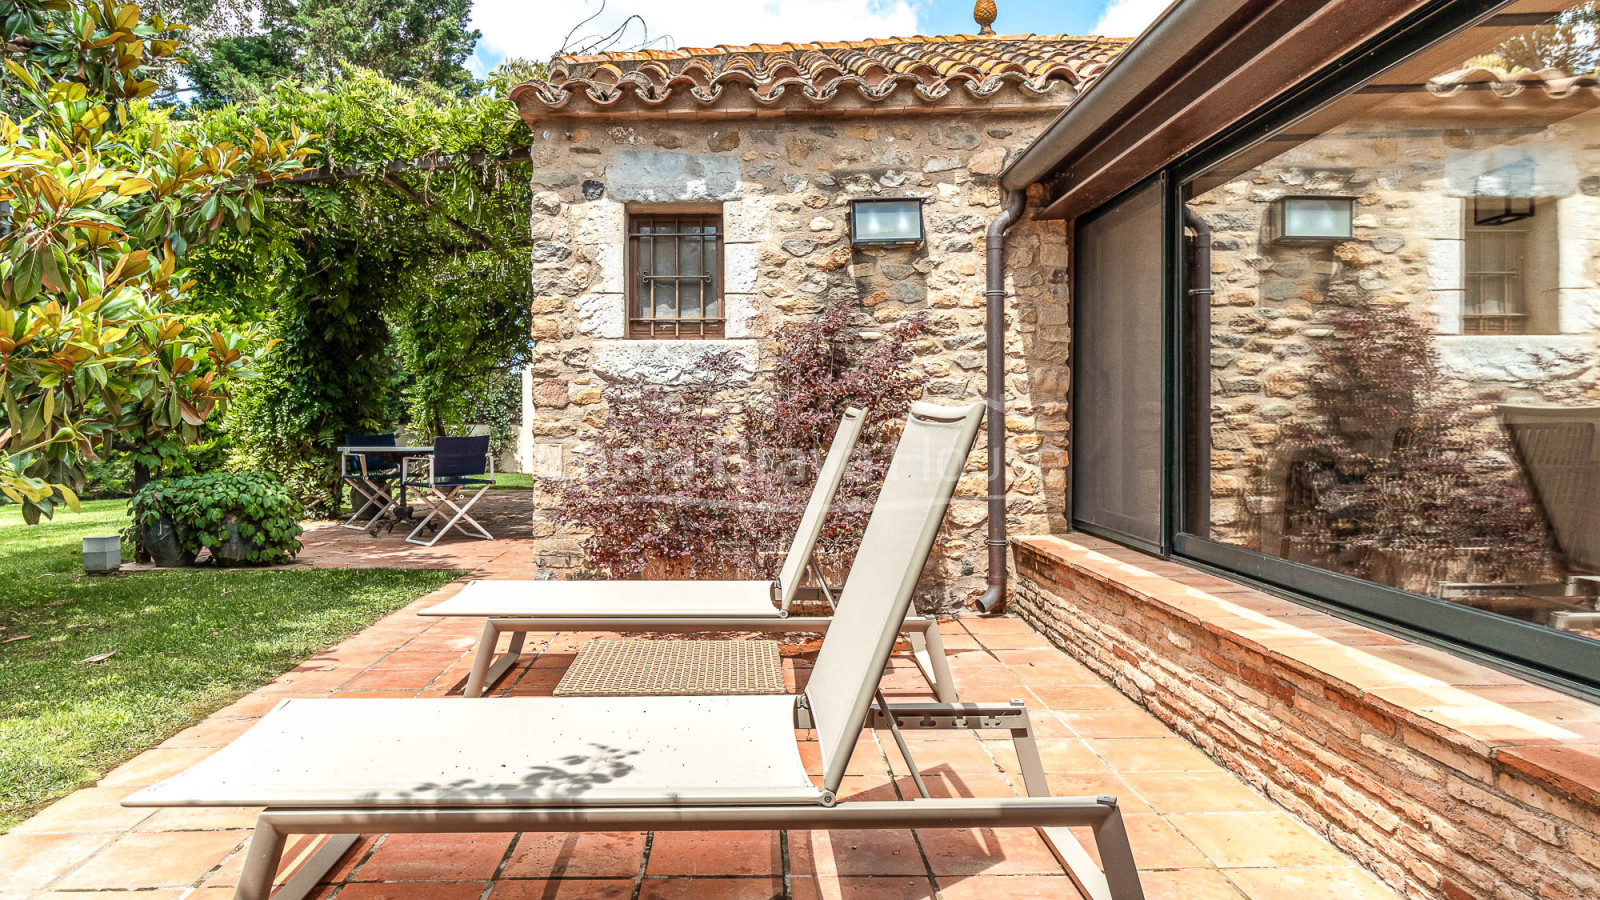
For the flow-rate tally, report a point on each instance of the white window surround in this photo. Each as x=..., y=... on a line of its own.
x=601, y=228
x=1577, y=287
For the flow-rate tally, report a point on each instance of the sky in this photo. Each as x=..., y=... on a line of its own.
x=536, y=29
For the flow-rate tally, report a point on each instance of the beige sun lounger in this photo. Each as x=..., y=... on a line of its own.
x=334, y=767
x=520, y=607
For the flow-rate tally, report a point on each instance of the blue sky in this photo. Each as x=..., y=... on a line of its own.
x=535, y=28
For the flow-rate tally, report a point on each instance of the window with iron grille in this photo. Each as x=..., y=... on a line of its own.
x=675, y=275
x=1495, y=278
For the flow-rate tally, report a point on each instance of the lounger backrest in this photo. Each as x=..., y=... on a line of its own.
x=1559, y=451
x=877, y=593
x=829, y=477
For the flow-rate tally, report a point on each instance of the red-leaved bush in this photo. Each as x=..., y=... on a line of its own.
x=708, y=477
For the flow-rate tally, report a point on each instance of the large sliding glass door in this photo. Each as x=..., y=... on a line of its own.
x=1117, y=374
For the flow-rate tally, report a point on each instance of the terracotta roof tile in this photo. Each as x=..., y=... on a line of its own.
x=889, y=74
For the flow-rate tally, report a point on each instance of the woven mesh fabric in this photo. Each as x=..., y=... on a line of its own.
x=673, y=668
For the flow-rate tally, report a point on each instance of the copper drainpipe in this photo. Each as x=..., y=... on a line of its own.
x=993, y=599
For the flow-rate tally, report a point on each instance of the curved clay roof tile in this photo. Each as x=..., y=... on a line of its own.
x=942, y=70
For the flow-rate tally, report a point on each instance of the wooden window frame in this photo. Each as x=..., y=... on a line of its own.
x=677, y=328
x=1513, y=279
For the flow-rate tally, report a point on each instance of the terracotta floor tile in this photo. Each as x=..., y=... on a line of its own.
x=987, y=851
x=169, y=894
x=439, y=857
x=953, y=786
x=1167, y=754
x=197, y=818
x=1343, y=883
x=1080, y=696
x=711, y=853
x=30, y=861
x=1015, y=640
x=588, y=855
x=152, y=766
x=832, y=853
x=1007, y=887
x=152, y=859
x=1057, y=755
x=415, y=890
x=1034, y=657
x=1188, y=884
x=1071, y=672
x=1195, y=792
x=1157, y=845
x=1110, y=723
x=711, y=889
x=89, y=809
x=213, y=733
x=1094, y=784
x=853, y=888
x=993, y=624
x=1234, y=840
x=565, y=889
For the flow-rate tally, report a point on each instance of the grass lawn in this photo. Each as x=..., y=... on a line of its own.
x=187, y=643
x=516, y=481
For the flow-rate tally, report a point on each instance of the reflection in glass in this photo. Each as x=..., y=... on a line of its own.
x=1417, y=405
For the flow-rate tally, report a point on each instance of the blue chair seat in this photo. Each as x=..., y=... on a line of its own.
x=451, y=481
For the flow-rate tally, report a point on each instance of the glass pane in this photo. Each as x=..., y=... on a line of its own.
x=1410, y=405
x=888, y=220
x=1117, y=396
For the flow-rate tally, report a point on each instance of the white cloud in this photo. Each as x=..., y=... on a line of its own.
x=534, y=30
x=1127, y=18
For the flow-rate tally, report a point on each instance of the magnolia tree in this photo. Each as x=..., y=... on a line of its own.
x=100, y=197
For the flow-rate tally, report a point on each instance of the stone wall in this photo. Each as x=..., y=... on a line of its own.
x=784, y=187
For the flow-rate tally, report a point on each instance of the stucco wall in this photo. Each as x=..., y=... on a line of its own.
x=784, y=187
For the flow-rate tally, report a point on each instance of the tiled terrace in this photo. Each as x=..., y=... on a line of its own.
x=1198, y=832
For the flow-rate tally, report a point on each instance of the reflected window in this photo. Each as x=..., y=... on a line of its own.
x=1416, y=404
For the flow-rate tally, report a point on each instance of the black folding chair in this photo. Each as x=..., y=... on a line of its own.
x=457, y=465
x=370, y=480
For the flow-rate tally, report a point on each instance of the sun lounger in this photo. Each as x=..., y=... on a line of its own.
x=336, y=767
x=520, y=607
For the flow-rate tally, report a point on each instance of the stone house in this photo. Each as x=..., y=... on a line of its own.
x=766, y=147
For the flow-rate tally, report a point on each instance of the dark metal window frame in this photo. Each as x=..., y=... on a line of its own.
x=678, y=327
x=1560, y=660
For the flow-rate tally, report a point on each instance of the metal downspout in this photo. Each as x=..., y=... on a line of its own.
x=993, y=598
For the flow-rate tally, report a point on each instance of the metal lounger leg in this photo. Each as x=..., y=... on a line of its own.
x=927, y=650
x=266, y=853
x=483, y=674
x=1120, y=878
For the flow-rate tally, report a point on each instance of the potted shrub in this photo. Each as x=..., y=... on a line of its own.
x=242, y=518
x=153, y=527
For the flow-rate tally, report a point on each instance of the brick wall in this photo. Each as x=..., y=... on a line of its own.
x=1444, y=778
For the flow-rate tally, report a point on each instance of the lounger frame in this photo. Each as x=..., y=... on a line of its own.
x=927, y=647
x=1117, y=878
